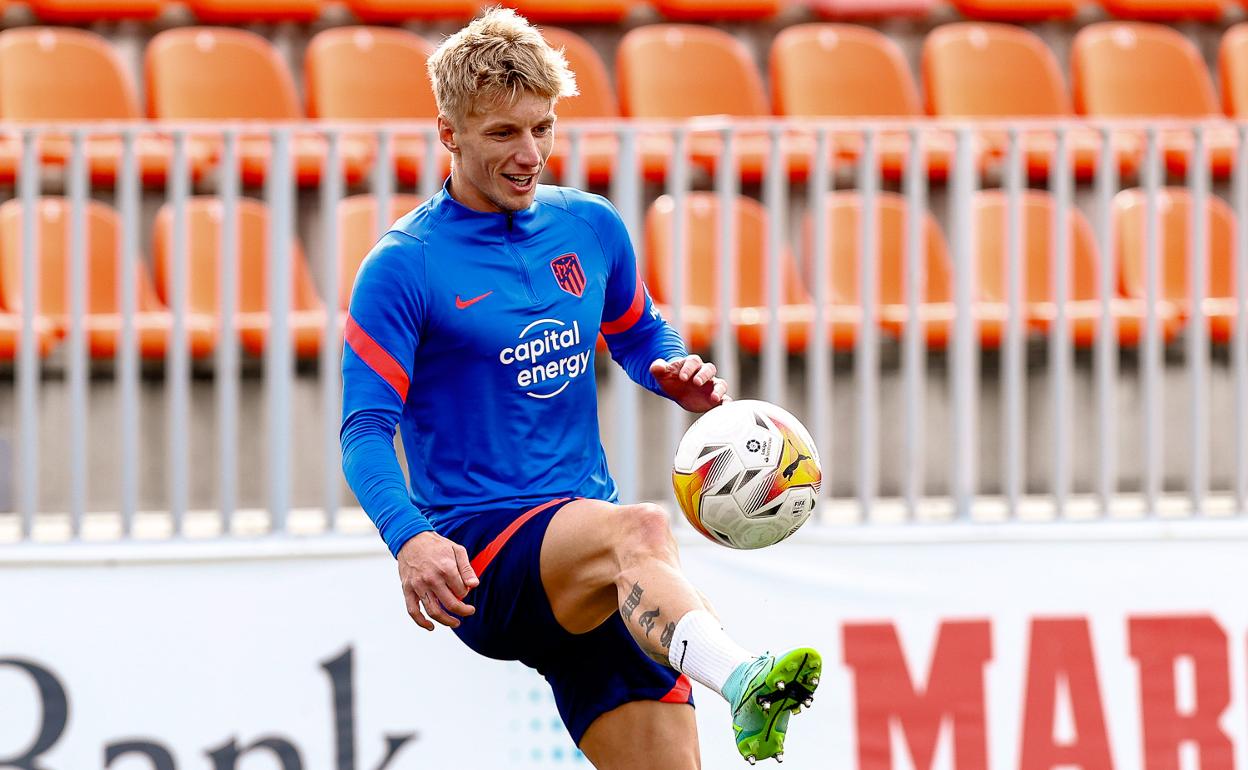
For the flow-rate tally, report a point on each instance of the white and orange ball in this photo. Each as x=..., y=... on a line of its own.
x=747, y=474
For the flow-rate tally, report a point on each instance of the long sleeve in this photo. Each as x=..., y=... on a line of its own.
x=382, y=334
x=634, y=330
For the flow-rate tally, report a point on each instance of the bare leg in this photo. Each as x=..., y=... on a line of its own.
x=599, y=558
x=644, y=734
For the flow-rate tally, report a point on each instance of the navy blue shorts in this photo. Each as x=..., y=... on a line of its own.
x=590, y=673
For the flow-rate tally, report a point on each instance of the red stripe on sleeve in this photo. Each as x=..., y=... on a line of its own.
x=626, y=321
x=377, y=358
x=483, y=559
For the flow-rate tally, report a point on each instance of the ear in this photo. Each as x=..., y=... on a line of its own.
x=446, y=134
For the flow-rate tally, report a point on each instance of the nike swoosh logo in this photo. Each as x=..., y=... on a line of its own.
x=463, y=303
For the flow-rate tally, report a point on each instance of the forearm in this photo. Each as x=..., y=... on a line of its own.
x=373, y=473
x=637, y=348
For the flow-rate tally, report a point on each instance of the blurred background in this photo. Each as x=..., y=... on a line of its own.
x=987, y=251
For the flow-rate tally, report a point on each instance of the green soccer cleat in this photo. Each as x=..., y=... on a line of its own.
x=776, y=687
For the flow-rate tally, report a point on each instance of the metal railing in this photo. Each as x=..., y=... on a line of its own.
x=895, y=372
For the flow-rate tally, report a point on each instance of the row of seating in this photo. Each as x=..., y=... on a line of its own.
x=398, y=11
x=1144, y=10
x=937, y=312
x=970, y=70
x=358, y=227
x=697, y=316
x=611, y=11
x=975, y=70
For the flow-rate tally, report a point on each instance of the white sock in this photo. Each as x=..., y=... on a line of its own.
x=701, y=649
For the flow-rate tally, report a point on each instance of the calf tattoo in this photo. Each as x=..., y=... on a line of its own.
x=632, y=601
x=646, y=619
x=665, y=638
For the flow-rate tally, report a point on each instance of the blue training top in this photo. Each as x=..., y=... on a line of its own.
x=475, y=333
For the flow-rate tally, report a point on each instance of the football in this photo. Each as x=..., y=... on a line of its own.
x=747, y=474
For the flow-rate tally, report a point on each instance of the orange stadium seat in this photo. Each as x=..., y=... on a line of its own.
x=368, y=72
x=46, y=334
x=222, y=74
x=699, y=307
x=87, y=11
x=102, y=320
x=1019, y=11
x=573, y=11
x=358, y=232
x=10, y=157
x=871, y=9
x=1135, y=69
x=253, y=11
x=203, y=217
x=1233, y=68
x=679, y=71
x=596, y=101
x=717, y=10
x=1174, y=210
x=1167, y=10
x=844, y=216
x=50, y=74
x=841, y=70
x=998, y=71
x=396, y=11
x=371, y=73
x=1083, y=307
x=1036, y=213
x=11, y=336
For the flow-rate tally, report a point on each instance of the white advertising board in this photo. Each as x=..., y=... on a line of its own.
x=1110, y=648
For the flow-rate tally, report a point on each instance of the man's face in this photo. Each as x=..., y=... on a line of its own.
x=499, y=151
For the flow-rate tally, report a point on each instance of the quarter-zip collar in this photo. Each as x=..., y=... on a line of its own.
x=502, y=224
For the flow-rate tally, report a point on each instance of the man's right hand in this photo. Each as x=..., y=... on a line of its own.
x=437, y=575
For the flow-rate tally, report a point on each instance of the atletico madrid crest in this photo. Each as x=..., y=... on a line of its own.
x=568, y=274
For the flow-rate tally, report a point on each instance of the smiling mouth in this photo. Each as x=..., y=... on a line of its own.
x=521, y=181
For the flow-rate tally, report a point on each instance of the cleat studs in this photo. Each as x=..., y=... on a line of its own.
x=779, y=684
x=766, y=705
x=814, y=681
x=809, y=702
x=751, y=759
x=780, y=756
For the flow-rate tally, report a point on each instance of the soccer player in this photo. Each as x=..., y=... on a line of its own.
x=472, y=326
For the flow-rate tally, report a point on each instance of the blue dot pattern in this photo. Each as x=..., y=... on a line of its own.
x=538, y=737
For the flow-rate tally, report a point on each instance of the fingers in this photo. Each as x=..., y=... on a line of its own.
x=452, y=575
x=690, y=366
x=450, y=607
x=705, y=389
x=706, y=373
x=691, y=369
x=439, y=603
x=413, y=609
x=436, y=575
x=454, y=587
x=433, y=603
x=466, y=572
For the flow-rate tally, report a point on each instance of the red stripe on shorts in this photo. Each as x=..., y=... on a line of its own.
x=483, y=559
x=679, y=692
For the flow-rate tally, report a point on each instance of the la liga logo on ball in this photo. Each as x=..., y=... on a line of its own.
x=747, y=474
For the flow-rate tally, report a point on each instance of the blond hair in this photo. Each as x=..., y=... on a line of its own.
x=497, y=56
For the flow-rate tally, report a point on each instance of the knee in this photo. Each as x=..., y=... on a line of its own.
x=647, y=530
